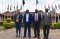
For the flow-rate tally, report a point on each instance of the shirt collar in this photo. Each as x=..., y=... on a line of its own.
x=36, y=13
x=27, y=13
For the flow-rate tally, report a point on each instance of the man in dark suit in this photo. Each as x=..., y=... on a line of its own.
x=46, y=23
x=36, y=22
x=18, y=22
x=27, y=21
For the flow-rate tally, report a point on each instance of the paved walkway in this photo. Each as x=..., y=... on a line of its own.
x=10, y=34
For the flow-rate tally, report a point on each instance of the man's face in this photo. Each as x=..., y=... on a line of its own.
x=36, y=11
x=18, y=11
x=46, y=10
x=27, y=11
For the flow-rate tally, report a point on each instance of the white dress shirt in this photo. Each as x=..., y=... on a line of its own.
x=17, y=17
x=47, y=14
x=27, y=17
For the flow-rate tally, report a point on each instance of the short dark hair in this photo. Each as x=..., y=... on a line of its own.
x=40, y=11
x=27, y=10
x=36, y=10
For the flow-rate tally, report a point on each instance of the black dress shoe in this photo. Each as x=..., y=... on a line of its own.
x=44, y=38
x=38, y=37
x=29, y=37
x=34, y=37
x=24, y=37
x=16, y=36
x=19, y=36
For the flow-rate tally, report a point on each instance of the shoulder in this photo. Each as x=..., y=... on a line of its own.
x=15, y=15
x=24, y=14
x=39, y=14
x=43, y=13
x=34, y=14
x=30, y=14
x=20, y=14
x=49, y=13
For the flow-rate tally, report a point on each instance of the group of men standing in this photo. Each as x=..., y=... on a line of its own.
x=37, y=19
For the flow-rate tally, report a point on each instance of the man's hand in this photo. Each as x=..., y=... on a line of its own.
x=17, y=20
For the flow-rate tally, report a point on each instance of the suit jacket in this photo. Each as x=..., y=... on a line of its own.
x=46, y=19
x=20, y=18
x=30, y=19
x=39, y=18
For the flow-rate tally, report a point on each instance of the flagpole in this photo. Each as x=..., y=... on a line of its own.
x=4, y=14
x=55, y=17
x=58, y=14
x=36, y=6
x=10, y=11
x=2, y=11
x=23, y=2
x=14, y=10
x=5, y=9
x=23, y=13
x=36, y=3
x=58, y=17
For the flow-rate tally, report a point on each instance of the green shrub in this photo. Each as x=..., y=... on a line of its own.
x=5, y=24
x=1, y=23
x=8, y=20
x=55, y=26
x=8, y=25
x=12, y=24
x=52, y=26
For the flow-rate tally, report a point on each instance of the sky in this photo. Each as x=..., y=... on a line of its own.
x=29, y=4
